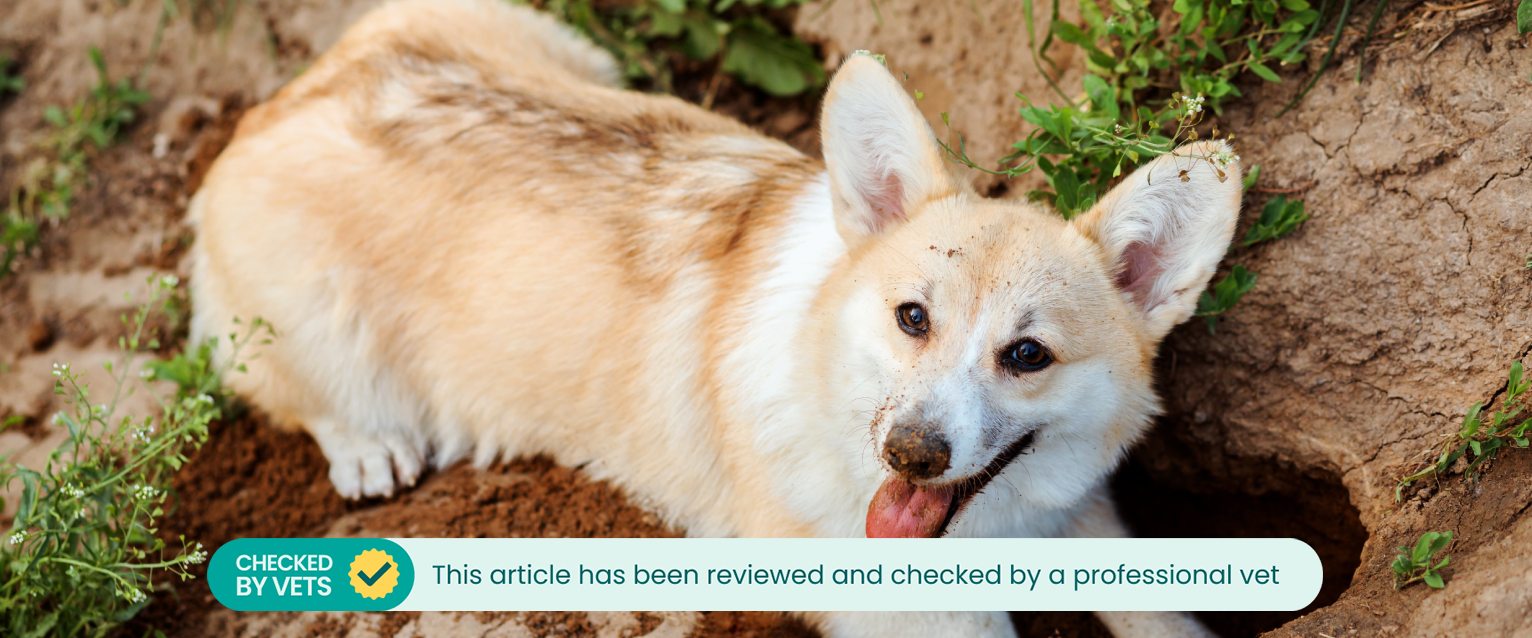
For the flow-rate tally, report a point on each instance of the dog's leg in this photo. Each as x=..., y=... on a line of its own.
x=921, y=624
x=369, y=463
x=1098, y=519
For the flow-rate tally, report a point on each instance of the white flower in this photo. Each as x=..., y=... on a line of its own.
x=1194, y=104
x=134, y=595
x=204, y=399
x=73, y=490
x=145, y=491
x=170, y=281
x=197, y=555
x=60, y=369
x=146, y=373
x=18, y=537
x=1222, y=159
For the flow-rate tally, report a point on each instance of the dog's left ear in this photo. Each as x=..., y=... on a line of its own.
x=1166, y=227
x=882, y=158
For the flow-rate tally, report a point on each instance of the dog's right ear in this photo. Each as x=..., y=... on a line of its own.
x=883, y=159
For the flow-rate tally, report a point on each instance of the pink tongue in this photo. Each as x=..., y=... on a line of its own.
x=902, y=509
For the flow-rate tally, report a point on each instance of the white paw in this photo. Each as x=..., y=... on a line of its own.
x=373, y=464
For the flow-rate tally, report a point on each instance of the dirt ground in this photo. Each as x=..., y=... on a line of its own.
x=1402, y=301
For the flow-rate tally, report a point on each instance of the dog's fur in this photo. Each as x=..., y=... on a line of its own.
x=472, y=242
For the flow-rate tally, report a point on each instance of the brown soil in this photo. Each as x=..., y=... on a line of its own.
x=1401, y=302
x=252, y=480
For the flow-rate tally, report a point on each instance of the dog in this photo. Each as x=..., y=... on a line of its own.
x=473, y=243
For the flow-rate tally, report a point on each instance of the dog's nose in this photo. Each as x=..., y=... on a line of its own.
x=917, y=451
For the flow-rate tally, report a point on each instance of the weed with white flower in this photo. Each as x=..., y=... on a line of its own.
x=1151, y=73
x=85, y=545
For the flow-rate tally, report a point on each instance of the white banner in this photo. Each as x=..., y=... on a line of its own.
x=854, y=574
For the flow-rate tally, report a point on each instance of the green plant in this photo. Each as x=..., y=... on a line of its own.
x=1223, y=295
x=649, y=37
x=1524, y=17
x=1146, y=87
x=1415, y=564
x=1481, y=438
x=9, y=83
x=85, y=547
x=48, y=185
x=1150, y=78
x=1279, y=217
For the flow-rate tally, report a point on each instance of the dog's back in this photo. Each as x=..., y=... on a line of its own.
x=456, y=204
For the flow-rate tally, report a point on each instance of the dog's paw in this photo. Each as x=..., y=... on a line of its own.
x=372, y=464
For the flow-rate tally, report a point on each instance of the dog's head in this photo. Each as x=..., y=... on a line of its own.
x=980, y=339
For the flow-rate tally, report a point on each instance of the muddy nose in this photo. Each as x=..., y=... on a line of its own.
x=917, y=451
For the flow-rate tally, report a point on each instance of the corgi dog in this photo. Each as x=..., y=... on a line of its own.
x=472, y=243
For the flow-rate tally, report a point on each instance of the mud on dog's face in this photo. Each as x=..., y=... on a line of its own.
x=993, y=345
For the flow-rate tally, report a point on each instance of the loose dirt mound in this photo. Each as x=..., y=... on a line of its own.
x=1401, y=302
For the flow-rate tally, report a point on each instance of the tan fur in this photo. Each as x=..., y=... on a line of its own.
x=471, y=242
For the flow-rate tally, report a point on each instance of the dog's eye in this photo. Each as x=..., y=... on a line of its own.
x=912, y=319
x=1026, y=356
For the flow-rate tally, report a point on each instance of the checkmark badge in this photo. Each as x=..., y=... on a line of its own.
x=372, y=578
x=374, y=573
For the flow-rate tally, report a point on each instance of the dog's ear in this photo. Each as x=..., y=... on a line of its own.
x=1166, y=227
x=883, y=159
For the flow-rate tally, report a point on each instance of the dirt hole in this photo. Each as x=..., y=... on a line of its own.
x=1188, y=498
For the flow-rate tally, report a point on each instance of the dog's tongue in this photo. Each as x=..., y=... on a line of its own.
x=902, y=509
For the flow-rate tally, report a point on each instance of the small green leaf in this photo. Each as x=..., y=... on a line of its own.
x=1422, y=550
x=1102, y=98
x=55, y=116
x=1280, y=217
x=1252, y=176
x=1470, y=421
x=1524, y=17
x=1225, y=294
x=704, y=36
x=1433, y=580
x=1264, y=71
x=760, y=56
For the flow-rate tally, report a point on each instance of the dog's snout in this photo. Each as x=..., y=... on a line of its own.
x=917, y=451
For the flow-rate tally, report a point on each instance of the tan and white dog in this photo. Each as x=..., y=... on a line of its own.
x=472, y=242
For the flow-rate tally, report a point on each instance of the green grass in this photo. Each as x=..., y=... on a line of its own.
x=1482, y=435
x=80, y=131
x=1418, y=564
x=1151, y=77
x=85, y=550
x=651, y=37
x=77, y=134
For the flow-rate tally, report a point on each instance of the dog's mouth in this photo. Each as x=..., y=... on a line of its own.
x=901, y=509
